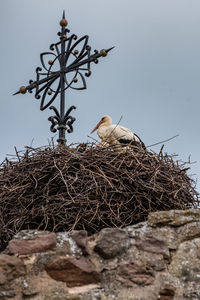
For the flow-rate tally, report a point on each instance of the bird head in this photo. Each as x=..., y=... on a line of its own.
x=105, y=120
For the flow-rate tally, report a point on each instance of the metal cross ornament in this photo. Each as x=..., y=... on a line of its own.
x=64, y=67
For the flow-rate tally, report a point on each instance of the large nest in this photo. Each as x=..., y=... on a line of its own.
x=87, y=187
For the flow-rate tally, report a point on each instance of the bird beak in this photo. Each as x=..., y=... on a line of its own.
x=96, y=127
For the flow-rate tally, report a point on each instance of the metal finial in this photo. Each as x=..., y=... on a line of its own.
x=74, y=67
x=108, y=50
x=63, y=21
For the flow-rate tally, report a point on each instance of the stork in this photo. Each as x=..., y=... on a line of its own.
x=114, y=134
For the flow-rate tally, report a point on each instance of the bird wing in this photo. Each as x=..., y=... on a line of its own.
x=118, y=134
x=115, y=133
x=138, y=138
x=126, y=136
x=121, y=132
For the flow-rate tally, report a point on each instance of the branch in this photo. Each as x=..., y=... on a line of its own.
x=163, y=141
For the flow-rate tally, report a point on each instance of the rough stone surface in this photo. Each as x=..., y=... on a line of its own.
x=174, y=217
x=167, y=293
x=158, y=259
x=152, y=244
x=73, y=271
x=27, y=246
x=10, y=267
x=135, y=273
x=108, y=245
x=7, y=294
x=185, y=265
x=81, y=239
x=189, y=231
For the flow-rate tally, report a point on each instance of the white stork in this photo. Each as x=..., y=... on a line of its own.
x=114, y=134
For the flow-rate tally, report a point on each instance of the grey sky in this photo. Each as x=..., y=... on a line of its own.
x=151, y=77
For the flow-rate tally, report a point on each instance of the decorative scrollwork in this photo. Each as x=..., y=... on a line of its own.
x=58, y=120
x=71, y=64
x=74, y=63
x=65, y=66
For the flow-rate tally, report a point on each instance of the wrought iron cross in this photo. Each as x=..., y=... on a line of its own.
x=69, y=63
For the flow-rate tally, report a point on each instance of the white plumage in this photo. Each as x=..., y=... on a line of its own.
x=114, y=134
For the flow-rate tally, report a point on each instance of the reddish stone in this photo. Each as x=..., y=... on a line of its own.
x=39, y=244
x=153, y=245
x=3, y=278
x=11, y=267
x=167, y=293
x=135, y=273
x=73, y=271
x=81, y=239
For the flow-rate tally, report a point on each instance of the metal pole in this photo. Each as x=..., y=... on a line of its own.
x=61, y=126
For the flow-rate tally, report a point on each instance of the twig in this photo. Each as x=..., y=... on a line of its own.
x=17, y=154
x=162, y=141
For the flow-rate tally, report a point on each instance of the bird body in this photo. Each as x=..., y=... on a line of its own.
x=115, y=134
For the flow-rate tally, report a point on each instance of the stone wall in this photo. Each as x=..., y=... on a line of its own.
x=157, y=259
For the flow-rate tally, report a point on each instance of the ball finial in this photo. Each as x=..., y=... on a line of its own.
x=50, y=62
x=23, y=90
x=103, y=52
x=63, y=22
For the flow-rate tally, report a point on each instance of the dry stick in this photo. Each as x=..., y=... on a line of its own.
x=17, y=154
x=93, y=138
x=63, y=180
x=160, y=152
x=163, y=141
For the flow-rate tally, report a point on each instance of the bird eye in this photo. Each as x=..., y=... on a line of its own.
x=102, y=119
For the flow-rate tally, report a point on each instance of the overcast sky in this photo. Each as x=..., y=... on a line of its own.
x=151, y=78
